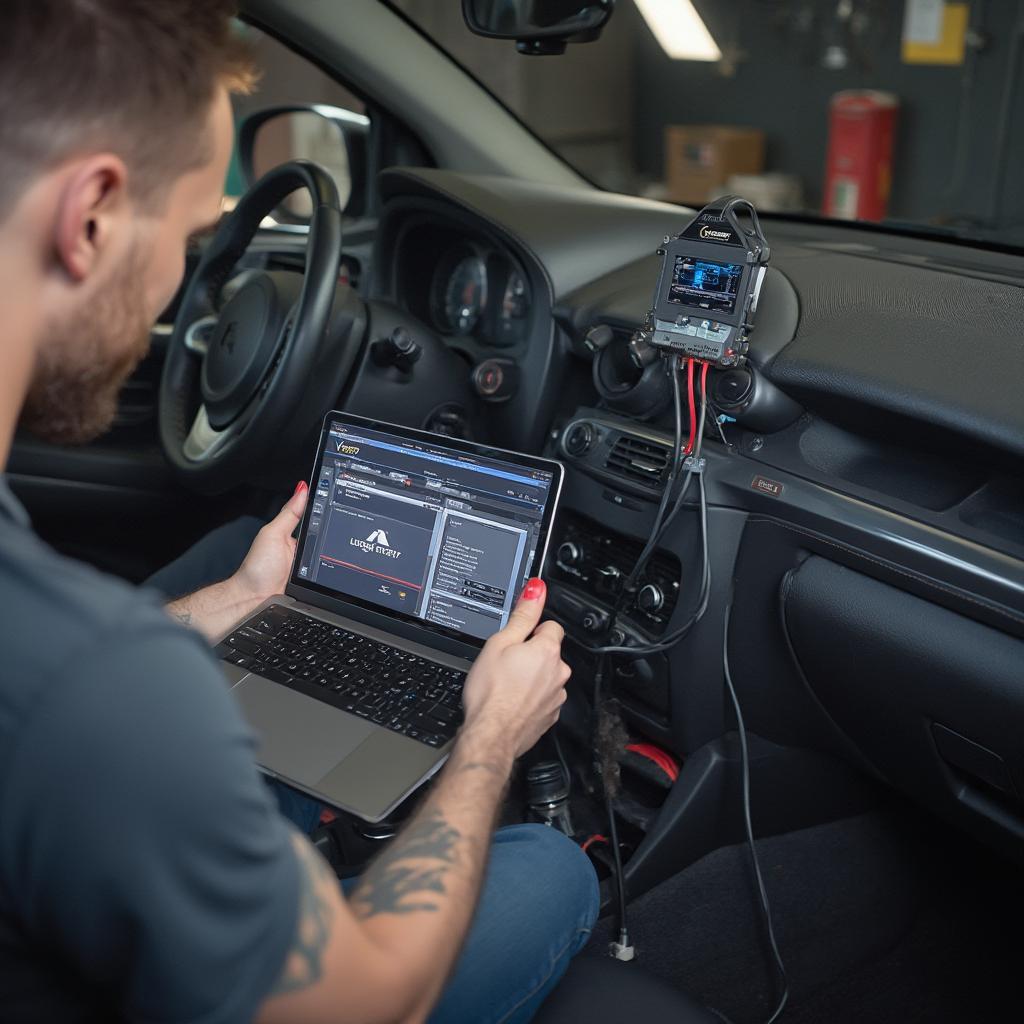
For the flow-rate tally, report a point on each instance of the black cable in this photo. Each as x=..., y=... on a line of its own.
x=715, y=414
x=657, y=529
x=620, y=885
x=704, y=595
x=613, y=829
x=659, y=517
x=694, y=464
x=745, y=763
x=561, y=756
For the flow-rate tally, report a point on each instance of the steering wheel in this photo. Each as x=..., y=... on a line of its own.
x=234, y=378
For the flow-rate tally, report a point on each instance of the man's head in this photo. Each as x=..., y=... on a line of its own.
x=115, y=135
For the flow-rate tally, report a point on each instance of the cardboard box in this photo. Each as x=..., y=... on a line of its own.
x=700, y=158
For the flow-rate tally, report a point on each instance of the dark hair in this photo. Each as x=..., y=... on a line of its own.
x=133, y=76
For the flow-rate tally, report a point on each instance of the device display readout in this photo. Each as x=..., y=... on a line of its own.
x=429, y=531
x=705, y=284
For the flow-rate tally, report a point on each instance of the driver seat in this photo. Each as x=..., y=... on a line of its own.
x=607, y=991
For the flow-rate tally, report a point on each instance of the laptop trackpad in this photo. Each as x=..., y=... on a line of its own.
x=299, y=737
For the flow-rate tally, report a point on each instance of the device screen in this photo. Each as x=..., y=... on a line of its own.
x=425, y=530
x=705, y=284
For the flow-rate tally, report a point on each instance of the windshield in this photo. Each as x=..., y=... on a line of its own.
x=903, y=114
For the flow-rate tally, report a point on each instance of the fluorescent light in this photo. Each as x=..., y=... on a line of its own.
x=679, y=29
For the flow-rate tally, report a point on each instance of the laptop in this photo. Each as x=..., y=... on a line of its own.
x=412, y=551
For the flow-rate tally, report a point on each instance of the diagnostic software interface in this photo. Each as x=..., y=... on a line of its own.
x=429, y=531
x=706, y=284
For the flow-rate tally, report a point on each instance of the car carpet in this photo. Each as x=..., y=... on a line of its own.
x=884, y=917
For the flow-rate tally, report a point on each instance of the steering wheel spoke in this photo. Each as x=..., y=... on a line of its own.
x=198, y=335
x=203, y=441
x=233, y=364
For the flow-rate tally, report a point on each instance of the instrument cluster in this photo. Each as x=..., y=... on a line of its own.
x=478, y=291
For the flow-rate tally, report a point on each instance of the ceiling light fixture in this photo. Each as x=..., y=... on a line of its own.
x=679, y=29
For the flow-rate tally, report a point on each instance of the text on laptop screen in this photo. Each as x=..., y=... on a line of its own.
x=423, y=529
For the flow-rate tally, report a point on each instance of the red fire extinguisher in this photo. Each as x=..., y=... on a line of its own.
x=858, y=170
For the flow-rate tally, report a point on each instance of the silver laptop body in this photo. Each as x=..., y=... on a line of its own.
x=409, y=541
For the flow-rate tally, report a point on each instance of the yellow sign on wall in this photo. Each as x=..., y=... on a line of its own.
x=935, y=32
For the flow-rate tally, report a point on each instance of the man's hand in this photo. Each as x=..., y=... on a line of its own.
x=516, y=687
x=215, y=609
x=265, y=569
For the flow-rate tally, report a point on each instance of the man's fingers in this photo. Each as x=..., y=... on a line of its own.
x=291, y=515
x=526, y=614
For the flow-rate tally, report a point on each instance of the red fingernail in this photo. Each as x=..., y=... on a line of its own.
x=534, y=589
x=300, y=486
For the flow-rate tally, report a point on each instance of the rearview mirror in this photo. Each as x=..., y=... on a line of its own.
x=332, y=137
x=538, y=26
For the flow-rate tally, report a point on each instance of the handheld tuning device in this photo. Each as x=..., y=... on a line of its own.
x=710, y=281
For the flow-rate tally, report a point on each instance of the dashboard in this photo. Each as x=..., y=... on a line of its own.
x=865, y=501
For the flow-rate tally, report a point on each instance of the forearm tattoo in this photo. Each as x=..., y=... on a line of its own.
x=304, y=966
x=410, y=873
x=185, y=618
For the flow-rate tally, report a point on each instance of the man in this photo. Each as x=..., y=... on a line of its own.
x=144, y=870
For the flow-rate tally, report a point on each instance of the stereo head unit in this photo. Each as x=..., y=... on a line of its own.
x=711, y=275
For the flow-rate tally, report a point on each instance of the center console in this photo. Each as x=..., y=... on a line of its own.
x=593, y=561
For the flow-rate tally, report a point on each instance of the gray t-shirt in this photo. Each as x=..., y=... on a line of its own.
x=145, y=872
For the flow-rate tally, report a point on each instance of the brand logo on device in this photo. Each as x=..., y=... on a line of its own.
x=348, y=449
x=706, y=232
x=376, y=544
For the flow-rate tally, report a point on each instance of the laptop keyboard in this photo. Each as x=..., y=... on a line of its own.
x=385, y=685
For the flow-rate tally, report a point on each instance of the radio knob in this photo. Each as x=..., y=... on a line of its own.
x=650, y=599
x=569, y=553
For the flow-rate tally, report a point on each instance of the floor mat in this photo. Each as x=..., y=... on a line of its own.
x=881, y=918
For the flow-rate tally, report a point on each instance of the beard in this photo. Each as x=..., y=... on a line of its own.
x=84, y=361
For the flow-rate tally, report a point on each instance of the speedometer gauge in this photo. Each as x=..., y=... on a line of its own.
x=465, y=295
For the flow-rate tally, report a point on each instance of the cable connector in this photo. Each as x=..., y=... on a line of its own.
x=622, y=950
x=695, y=464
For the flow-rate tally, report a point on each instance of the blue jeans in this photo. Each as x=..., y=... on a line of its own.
x=540, y=896
x=538, y=904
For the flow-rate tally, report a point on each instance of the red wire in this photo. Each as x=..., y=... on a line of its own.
x=664, y=760
x=688, y=450
x=692, y=405
x=593, y=839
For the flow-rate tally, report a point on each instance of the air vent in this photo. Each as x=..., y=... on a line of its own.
x=635, y=459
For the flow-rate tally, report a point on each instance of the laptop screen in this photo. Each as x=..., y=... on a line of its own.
x=439, y=531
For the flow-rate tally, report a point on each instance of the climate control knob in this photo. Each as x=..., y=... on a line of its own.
x=650, y=599
x=570, y=554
